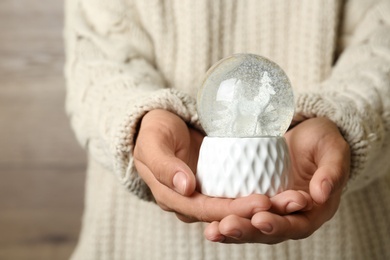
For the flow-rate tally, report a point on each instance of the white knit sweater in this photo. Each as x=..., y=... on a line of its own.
x=127, y=57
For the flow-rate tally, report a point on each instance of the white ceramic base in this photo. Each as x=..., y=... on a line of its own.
x=237, y=167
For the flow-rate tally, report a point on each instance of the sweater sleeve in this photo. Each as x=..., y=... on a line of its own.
x=356, y=96
x=112, y=81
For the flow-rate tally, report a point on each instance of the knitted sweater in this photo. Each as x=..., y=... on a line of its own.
x=127, y=57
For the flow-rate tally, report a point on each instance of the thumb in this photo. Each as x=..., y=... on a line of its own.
x=163, y=138
x=321, y=186
x=333, y=170
x=325, y=182
x=174, y=173
x=161, y=161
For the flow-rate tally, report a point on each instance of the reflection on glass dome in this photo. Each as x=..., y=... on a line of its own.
x=245, y=95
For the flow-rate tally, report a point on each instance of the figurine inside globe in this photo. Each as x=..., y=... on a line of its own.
x=245, y=95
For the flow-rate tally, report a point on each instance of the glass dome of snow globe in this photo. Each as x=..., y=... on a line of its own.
x=245, y=95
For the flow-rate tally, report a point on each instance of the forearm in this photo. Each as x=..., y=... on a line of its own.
x=357, y=96
x=111, y=83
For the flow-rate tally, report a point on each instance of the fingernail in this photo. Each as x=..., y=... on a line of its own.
x=180, y=182
x=293, y=206
x=222, y=238
x=326, y=189
x=235, y=233
x=266, y=228
x=218, y=239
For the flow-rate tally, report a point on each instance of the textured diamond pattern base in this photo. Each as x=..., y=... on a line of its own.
x=237, y=167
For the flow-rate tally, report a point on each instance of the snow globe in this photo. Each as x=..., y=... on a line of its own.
x=245, y=106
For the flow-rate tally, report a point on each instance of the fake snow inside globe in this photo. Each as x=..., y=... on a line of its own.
x=245, y=106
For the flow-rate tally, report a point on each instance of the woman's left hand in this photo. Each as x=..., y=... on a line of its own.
x=320, y=163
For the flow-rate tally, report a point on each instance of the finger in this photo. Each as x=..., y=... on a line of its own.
x=264, y=227
x=185, y=219
x=208, y=209
x=159, y=156
x=333, y=162
x=290, y=201
x=212, y=233
x=280, y=228
x=332, y=173
x=201, y=207
x=237, y=230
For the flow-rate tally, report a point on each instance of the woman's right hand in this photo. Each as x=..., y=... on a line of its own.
x=166, y=155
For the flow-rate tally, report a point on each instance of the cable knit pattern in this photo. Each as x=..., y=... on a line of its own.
x=357, y=95
x=127, y=57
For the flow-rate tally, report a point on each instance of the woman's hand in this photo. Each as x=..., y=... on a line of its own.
x=166, y=156
x=320, y=164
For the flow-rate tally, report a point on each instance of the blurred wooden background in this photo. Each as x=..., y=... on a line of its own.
x=41, y=165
